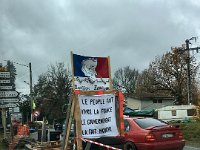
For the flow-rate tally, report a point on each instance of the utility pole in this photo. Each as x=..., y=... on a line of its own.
x=188, y=49
x=188, y=72
x=31, y=92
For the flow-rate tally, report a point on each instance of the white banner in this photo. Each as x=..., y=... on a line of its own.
x=98, y=115
x=89, y=84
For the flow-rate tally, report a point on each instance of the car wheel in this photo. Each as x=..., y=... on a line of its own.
x=129, y=146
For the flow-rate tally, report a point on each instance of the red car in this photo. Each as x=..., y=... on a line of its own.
x=151, y=134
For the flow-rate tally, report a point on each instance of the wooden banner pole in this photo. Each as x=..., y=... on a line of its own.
x=121, y=114
x=77, y=117
x=110, y=78
x=72, y=66
x=69, y=124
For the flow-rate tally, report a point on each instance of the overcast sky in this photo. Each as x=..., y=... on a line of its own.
x=131, y=32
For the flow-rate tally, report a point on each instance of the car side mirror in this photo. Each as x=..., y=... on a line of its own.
x=126, y=129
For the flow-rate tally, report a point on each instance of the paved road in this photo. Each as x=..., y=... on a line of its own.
x=190, y=148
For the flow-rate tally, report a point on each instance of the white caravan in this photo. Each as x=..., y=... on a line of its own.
x=177, y=112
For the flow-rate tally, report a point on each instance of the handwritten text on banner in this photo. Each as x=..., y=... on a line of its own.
x=98, y=115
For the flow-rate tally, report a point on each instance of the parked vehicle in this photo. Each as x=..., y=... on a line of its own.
x=139, y=113
x=143, y=133
x=177, y=113
x=128, y=110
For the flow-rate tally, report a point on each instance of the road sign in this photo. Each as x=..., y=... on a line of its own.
x=6, y=87
x=9, y=100
x=4, y=81
x=4, y=74
x=8, y=105
x=15, y=110
x=36, y=113
x=8, y=93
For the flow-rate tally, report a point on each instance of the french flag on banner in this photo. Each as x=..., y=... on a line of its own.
x=86, y=66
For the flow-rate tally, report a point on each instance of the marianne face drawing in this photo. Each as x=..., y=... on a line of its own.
x=88, y=67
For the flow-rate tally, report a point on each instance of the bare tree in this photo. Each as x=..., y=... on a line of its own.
x=52, y=91
x=167, y=76
x=125, y=79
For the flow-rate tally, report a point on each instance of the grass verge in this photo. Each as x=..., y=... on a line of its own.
x=191, y=133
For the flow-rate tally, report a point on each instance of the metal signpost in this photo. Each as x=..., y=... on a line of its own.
x=8, y=96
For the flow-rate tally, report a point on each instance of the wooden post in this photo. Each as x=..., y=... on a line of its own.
x=78, y=125
x=121, y=117
x=68, y=127
x=110, y=78
x=72, y=63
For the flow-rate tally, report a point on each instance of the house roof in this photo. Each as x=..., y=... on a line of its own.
x=176, y=107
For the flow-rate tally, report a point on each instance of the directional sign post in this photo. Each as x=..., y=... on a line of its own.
x=36, y=113
x=9, y=93
x=8, y=105
x=6, y=87
x=4, y=74
x=9, y=100
x=4, y=81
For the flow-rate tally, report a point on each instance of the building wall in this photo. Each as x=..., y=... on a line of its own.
x=149, y=104
x=134, y=103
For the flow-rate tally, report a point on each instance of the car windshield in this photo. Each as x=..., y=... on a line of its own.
x=149, y=122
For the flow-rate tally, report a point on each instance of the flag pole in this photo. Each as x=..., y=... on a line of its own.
x=110, y=78
x=72, y=66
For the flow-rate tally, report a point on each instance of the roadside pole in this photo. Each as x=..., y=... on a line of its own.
x=31, y=92
x=188, y=49
x=188, y=73
x=188, y=60
x=4, y=122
